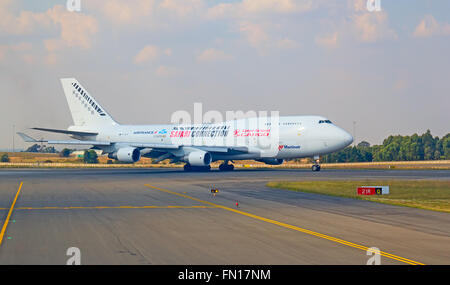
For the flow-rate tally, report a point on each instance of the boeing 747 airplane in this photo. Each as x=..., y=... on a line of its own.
x=268, y=140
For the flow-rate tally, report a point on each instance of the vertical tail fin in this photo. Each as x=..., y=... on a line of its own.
x=83, y=107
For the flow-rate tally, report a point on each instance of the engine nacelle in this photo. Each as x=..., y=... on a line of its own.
x=272, y=161
x=127, y=154
x=199, y=158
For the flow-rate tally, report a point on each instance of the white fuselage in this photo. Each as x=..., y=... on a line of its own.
x=295, y=137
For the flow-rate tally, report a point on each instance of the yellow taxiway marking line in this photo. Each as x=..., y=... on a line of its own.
x=2, y=233
x=111, y=207
x=330, y=238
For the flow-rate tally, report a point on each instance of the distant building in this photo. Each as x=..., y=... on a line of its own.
x=364, y=144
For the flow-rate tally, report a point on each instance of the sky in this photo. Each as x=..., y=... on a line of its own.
x=380, y=72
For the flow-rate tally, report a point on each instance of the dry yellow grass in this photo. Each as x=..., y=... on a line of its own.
x=424, y=194
x=34, y=158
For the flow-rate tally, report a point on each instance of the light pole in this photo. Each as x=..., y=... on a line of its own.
x=354, y=133
x=14, y=131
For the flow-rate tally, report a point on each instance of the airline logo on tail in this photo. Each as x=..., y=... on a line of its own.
x=79, y=92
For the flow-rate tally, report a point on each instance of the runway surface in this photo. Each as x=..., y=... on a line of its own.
x=166, y=216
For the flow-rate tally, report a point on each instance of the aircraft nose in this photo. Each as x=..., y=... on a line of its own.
x=346, y=138
x=341, y=137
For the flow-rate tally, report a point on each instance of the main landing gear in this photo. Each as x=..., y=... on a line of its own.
x=226, y=167
x=188, y=167
x=316, y=165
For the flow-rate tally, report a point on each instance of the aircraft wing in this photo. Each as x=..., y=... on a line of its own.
x=224, y=149
x=169, y=147
x=27, y=138
x=78, y=142
x=155, y=146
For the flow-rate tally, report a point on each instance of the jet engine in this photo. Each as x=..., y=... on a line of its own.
x=199, y=158
x=272, y=161
x=126, y=154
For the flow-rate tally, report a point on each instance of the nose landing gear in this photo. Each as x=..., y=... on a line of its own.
x=316, y=165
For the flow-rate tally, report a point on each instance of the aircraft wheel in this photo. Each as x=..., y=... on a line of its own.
x=226, y=167
x=188, y=167
x=202, y=168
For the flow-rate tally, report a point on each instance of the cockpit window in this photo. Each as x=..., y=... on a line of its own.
x=325, y=122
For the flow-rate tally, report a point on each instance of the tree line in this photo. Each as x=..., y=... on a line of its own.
x=41, y=149
x=396, y=148
x=89, y=156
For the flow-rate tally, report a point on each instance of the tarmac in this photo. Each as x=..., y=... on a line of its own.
x=167, y=216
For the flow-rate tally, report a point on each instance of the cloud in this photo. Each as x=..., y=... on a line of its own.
x=262, y=37
x=400, y=85
x=371, y=26
x=52, y=45
x=328, y=41
x=221, y=10
x=357, y=24
x=428, y=27
x=360, y=5
x=253, y=19
x=168, y=52
x=120, y=12
x=165, y=71
x=28, y=58
x=254, y=33
x=147, y=13
x=182, y=8
x=51, y=59
x=23, y=49
x=148, y=53
x=252, y=8
x=287, y=43
x=3, y=50
x=212, y=54
x=23, y=46
x=76, y=29
x=26, y=22
x=280, y=6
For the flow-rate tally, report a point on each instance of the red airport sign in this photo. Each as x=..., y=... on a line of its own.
x=373, y=190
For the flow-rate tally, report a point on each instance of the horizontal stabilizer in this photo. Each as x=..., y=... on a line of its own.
x=26, y=138
x=66, y=132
